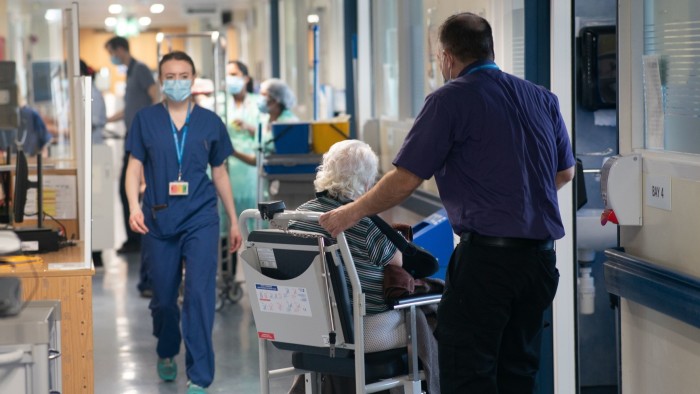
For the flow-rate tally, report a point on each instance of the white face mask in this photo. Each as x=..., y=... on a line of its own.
x=447, y=78
x=234, y=84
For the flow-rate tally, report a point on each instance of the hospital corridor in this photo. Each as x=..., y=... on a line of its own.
x=349, y=196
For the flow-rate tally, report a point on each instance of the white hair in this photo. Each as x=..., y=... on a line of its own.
x=348, y=169
x=279, y=91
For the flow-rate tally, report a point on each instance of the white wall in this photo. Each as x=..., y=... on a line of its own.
x=659, y=354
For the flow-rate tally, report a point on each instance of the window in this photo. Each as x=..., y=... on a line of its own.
x=672, y=75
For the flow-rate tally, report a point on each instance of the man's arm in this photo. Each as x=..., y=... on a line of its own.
x=392, y=189
x=117, y=116
x=154, y=92
x=565, y=176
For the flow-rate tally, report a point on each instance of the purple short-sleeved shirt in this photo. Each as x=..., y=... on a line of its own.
x=494, y=143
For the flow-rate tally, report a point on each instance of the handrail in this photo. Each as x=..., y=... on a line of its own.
x=668, y=291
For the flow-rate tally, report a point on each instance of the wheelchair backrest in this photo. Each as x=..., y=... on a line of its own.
x=288, y=293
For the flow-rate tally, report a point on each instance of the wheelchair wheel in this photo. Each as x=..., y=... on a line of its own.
x=235, y=293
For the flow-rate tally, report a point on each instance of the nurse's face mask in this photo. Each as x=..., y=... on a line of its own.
x=262, y=104
x=177, y=89
x=234, y=84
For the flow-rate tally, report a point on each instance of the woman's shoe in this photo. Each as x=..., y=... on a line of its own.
x=195, y=389
x=167, y=369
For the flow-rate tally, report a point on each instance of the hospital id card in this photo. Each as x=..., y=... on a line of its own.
x=179, y=188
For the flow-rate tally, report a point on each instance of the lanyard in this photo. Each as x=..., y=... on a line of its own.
x=179, y=149
x=490, y=66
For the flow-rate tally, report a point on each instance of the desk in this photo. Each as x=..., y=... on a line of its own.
x=60, y=277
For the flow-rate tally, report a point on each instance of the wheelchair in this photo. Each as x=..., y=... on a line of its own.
x=301, y=303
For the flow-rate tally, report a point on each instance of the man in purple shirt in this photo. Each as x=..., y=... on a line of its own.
x=499, y=151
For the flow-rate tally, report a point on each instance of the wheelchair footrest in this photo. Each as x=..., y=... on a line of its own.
x=378, y=365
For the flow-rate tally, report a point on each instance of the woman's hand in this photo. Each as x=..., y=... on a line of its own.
x=241, y=125
x=235, y=238
x=136, y=222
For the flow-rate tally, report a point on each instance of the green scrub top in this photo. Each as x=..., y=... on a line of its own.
x=243, y=176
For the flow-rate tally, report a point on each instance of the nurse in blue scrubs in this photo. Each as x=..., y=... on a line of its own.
x=174, y=143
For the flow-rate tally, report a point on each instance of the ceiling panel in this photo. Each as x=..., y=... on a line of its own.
x=92, y=13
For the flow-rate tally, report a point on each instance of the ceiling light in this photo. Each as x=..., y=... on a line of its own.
x=157, y=8
x=115, y=8
x=312, y=18
x=110, y=21
x=144, y=21
x=52, y=15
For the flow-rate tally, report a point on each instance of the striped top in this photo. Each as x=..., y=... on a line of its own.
x=371, y=251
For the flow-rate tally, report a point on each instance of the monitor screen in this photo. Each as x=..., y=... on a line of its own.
x=45, y=75
x=22, y=184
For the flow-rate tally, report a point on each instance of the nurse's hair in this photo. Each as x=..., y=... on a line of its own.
x=348, y=170
x=467, y=36
x=176, y=55
x=280, y=92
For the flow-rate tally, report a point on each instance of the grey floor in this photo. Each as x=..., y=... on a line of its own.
x=125, y=358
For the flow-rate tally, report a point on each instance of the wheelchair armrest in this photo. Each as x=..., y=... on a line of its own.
x=415, y=300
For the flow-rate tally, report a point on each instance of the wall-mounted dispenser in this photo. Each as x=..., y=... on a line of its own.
x=621, y=189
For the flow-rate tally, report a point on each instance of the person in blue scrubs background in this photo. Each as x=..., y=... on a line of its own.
x=174, y=143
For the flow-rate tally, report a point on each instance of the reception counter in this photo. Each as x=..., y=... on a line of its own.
x=62, y=276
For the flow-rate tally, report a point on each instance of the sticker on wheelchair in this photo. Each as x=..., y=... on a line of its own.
x=286, y=300
x=266, y=257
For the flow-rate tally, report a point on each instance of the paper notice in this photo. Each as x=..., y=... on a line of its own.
x=653, y=103
x=60, y=197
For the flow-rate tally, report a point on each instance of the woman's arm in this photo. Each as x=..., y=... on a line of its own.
x=134, y=171
x=247, y=158
x=396, y=259
x=223, y=187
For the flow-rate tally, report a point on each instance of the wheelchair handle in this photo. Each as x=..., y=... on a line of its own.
x=304, y=216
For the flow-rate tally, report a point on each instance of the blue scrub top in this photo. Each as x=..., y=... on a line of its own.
x=151, y=141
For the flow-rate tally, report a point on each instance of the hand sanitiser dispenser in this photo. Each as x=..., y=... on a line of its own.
x=621, y=189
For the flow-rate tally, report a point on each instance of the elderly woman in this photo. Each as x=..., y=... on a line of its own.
x=348, y=170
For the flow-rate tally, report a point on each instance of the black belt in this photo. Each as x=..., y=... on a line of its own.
x=503, y=242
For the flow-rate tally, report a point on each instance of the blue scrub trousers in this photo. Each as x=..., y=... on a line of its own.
x=197, y=249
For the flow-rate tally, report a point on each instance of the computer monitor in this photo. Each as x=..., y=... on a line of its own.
x=21, y=187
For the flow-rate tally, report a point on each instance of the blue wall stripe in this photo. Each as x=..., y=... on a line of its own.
x=668, y=291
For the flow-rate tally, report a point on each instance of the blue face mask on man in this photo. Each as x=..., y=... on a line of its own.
x=177, y=89
x=115, y=60
x=262, y=105
x=234, y=84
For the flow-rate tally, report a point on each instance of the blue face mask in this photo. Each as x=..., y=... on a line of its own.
x=234, y=84
x=115, y=60
x=262, y=105
x=177, y=89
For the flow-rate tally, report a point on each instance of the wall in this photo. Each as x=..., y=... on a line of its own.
x=142, y=48
x=659, y=354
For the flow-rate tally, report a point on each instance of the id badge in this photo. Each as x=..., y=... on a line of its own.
x=179, y=188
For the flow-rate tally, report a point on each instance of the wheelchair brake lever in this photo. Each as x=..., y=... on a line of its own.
x=326, y=273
